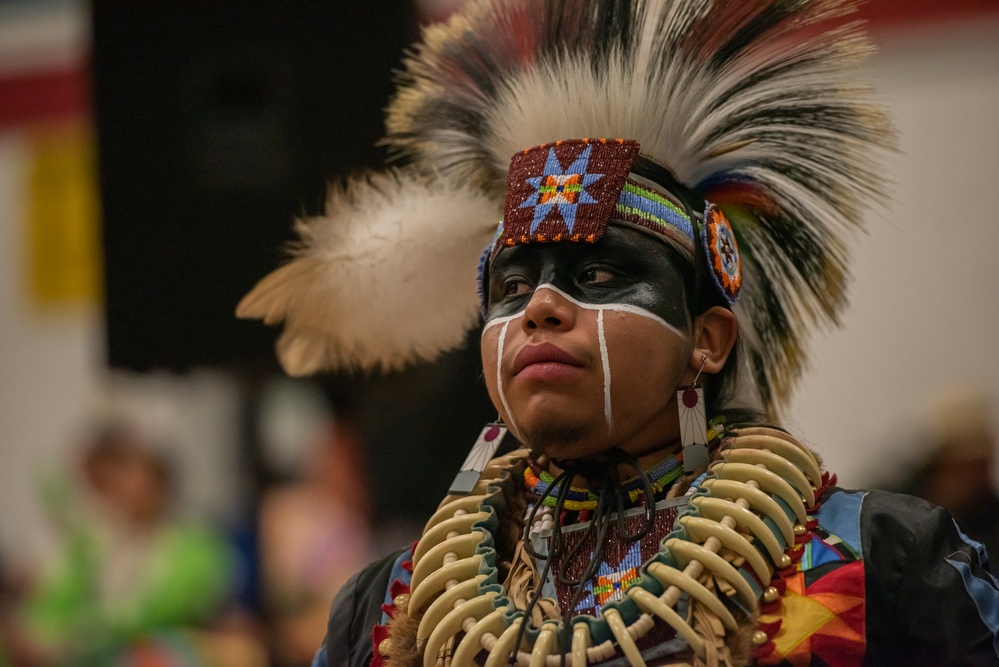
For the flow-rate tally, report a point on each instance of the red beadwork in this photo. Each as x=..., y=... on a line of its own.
x=620, y=557
x=528, y=218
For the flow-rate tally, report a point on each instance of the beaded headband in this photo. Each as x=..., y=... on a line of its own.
x=569, y=191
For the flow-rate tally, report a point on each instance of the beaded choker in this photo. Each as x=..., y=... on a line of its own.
x=538, y=481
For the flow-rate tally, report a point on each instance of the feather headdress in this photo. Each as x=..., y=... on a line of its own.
x=752, y=105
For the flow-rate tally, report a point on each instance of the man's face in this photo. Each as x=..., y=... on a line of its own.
x=585, y=344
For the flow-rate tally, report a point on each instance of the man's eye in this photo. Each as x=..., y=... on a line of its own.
x=515, y=287
x=597, y=276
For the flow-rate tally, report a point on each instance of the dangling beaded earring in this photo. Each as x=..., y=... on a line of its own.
x=482, y=451
x=693, y=423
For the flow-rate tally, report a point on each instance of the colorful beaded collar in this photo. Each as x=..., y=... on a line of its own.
x=538, y=482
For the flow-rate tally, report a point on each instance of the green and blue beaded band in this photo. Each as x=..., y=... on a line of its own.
x=657, y=211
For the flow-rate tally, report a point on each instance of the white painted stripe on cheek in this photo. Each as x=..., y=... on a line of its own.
x=605, y=362
x=506, y=319
x=500, y=343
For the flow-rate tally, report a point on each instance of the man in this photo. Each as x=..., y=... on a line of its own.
x=649, y=515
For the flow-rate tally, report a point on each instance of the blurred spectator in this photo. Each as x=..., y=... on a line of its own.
x=314, y=534
x=133, y=582
x=958, y=473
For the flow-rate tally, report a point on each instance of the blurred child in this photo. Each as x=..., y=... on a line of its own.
x=132, y=578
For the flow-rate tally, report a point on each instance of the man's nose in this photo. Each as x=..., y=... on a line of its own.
x=548, y=309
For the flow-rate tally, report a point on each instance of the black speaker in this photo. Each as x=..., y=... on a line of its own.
x=218, y=122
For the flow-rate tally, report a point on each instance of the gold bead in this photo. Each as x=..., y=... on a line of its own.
x=771, y=595
x=385, y=647
x=800, y=529
x=785, y=561
x=760, y=638
x=400, y=601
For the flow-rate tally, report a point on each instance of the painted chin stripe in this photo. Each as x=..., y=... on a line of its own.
x=620, y=307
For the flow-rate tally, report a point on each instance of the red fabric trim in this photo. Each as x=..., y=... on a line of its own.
x=771, y=628
x=398, y=588
x=29, y=97
x=764, y=650
x=378, y=633
x=846, y=643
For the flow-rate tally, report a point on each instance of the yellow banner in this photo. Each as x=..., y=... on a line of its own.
x=64, y=216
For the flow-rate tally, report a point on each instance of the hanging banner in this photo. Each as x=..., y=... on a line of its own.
x=64, y=261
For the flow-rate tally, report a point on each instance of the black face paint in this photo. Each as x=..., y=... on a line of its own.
x=627, y=266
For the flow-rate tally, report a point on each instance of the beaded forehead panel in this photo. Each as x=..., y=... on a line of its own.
x=570, y=190
x=565, y=191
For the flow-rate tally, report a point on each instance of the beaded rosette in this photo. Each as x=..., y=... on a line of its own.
x=722, y=564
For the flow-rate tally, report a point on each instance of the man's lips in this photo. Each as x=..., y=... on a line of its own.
x=543, y=353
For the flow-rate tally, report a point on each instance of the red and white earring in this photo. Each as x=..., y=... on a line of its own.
x=478, y=458
x=693, y=423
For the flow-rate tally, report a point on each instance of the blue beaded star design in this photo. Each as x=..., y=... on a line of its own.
x=610, y=582
x=561, y=189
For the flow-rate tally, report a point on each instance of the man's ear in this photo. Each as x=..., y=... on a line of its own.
x=715, y=332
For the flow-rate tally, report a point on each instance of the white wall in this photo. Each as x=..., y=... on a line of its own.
x=924, y=311
x=47, y=367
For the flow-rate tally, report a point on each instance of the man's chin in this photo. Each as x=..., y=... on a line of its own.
x=561, y=441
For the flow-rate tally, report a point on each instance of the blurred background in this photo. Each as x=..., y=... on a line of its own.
x=168, y=497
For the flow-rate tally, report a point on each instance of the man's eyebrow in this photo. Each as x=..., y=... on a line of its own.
x=507, y=261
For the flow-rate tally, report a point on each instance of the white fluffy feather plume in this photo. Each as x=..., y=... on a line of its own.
x=385, y=278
